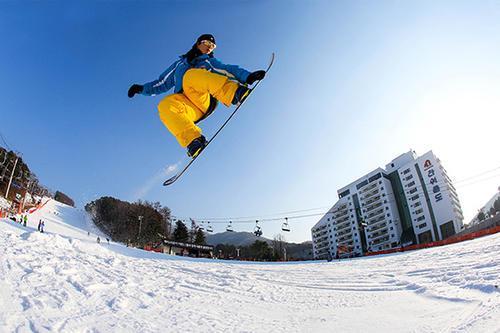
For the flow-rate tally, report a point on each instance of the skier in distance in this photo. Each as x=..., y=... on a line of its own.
x=200, y=81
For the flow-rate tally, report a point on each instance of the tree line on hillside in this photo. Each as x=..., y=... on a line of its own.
x=494, y=209
x=136, y=223
x=258, y=250
x=143, y=223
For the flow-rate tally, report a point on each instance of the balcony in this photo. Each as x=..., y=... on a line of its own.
x=349, y=243
x=345, y=238
x=372, y=200
x=342, y=226
x=377, y=227
x=376, y=217
x=376, y=204
x=342, y=220
x=380, y=240
x=375, y=213
x=321, y=239
x=370, y=194
x=380, y=233
x=347, y=232
x=340, y=212
x=368, y=188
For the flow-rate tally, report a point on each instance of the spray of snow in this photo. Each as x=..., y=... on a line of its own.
x=158, y=178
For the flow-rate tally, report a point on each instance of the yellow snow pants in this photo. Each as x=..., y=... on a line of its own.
x=179, y=112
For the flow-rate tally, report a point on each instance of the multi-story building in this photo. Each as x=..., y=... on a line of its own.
x=411, y=201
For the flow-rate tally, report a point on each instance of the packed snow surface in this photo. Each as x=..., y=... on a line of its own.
x=63, y=281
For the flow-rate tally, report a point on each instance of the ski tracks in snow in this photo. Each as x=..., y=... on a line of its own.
x=57, y=284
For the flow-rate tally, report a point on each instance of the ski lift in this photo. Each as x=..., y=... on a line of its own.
x=285, y=226
x=201, y=227
x=230, y=226
x=209, y=227
x=258, y=230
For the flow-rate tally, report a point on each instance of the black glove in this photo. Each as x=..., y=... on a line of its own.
x=257, y=75
x=135, y=89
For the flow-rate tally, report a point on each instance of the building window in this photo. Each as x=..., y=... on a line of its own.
x=406, y=171
x=420, y=218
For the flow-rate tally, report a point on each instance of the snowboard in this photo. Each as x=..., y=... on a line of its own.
x=173, y=179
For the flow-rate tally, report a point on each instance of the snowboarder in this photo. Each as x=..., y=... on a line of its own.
x=39, y=224
x=25, y=220
x=42, y=225
x=200, y=81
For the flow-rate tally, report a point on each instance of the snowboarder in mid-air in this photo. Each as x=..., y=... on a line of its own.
x=200, y=81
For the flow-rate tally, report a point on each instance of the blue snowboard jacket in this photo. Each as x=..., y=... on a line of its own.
x=172, y=76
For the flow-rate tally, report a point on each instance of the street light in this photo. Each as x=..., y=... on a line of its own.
x=140, y=225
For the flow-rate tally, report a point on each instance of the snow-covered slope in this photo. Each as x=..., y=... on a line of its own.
x=63, y=281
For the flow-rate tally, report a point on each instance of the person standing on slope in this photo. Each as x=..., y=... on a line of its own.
x=200, y=81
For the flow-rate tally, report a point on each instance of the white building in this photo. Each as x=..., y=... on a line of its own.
x=411, y=201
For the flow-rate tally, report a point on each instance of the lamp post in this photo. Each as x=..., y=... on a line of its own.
x=11, y=175
x=140, y=226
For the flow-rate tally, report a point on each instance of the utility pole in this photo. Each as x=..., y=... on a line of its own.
x=140, y=225
x=11, y=175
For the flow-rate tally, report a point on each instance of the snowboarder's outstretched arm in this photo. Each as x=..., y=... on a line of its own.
x=164, y=83
x=242, y=75
x=235, y=71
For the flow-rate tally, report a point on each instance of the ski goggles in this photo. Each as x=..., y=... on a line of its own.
x=208, y=43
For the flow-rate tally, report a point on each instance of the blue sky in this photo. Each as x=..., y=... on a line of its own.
x=355, y=84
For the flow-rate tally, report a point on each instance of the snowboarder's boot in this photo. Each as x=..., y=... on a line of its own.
x=240, y=95
x=196, y=146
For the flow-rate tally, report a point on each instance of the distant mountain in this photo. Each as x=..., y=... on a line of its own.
x=297, y=251
x=234, y=238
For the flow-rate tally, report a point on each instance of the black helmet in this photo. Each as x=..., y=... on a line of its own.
x=206, y=37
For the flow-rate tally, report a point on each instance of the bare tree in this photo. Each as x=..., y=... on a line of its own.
x=279, y=245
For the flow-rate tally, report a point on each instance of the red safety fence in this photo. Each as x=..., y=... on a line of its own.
x=450, y=240
x=5, y=212
x=153, y=249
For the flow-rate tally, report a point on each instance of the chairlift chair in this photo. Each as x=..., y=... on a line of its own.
x=258, y=230
x=230, y=226
x=209, y=227
x=285, y=226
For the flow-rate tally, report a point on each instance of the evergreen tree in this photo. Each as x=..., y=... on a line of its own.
x=481, y=216
x=200, y=237
x=181, y=233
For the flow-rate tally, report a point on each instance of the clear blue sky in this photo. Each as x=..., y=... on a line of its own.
x=355, y=84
